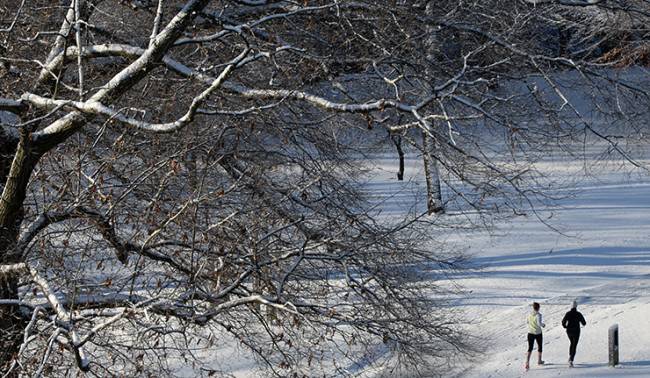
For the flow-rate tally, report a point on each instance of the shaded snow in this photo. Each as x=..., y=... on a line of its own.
x=601, y=257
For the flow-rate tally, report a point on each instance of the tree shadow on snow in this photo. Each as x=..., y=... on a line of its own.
x=633, y=364
x=593, y=256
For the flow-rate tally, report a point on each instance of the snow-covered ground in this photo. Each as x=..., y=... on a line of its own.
x=601, y=259
x=604, y=264
x=595, y=248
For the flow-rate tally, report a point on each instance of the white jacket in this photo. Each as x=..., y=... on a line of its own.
x=535, y=323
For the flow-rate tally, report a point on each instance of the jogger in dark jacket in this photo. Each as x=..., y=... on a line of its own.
x=571, y=322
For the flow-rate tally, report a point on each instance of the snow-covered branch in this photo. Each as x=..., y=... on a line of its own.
x=251, y=215
x=97, y=108
x=233, y=87
x=125, y=79
x=64, y=316
x=12, y=269
x=62, y=313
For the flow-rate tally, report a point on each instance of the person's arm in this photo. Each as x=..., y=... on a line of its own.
x=565, y=320
x=582, y=320
x=539, y=320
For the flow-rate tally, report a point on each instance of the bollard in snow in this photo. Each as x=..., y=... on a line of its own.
x=613, y=345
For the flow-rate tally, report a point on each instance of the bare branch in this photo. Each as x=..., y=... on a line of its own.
x=13, y=23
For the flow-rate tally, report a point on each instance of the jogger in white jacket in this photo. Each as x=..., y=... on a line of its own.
x=535, y=325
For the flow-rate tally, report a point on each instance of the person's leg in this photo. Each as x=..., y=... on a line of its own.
x=539, y=339
x=572, y=347
x=531, y=340
x=573, y=338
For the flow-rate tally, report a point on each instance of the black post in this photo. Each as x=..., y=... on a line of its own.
x=397, y=140
x=613, y=345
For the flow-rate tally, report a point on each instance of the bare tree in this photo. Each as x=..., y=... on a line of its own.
x=175, y=172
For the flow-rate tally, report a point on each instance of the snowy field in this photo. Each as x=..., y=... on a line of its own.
x=601, y=258
x=599, y=255
x=604, y=265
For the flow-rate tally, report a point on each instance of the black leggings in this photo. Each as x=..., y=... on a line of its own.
x=573, y=339
x=531, y=340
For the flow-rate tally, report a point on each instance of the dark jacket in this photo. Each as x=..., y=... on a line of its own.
x=572, y=321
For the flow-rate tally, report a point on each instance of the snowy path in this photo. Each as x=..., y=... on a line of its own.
x=605, y=265
x=603, y=261
x=626, y=303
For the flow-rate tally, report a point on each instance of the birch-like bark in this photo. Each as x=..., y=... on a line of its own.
x=432, y=175
x=429, y=146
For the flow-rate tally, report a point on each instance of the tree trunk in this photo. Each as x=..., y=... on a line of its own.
x=432, y=47
x=432, y=175
x=11, y=215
